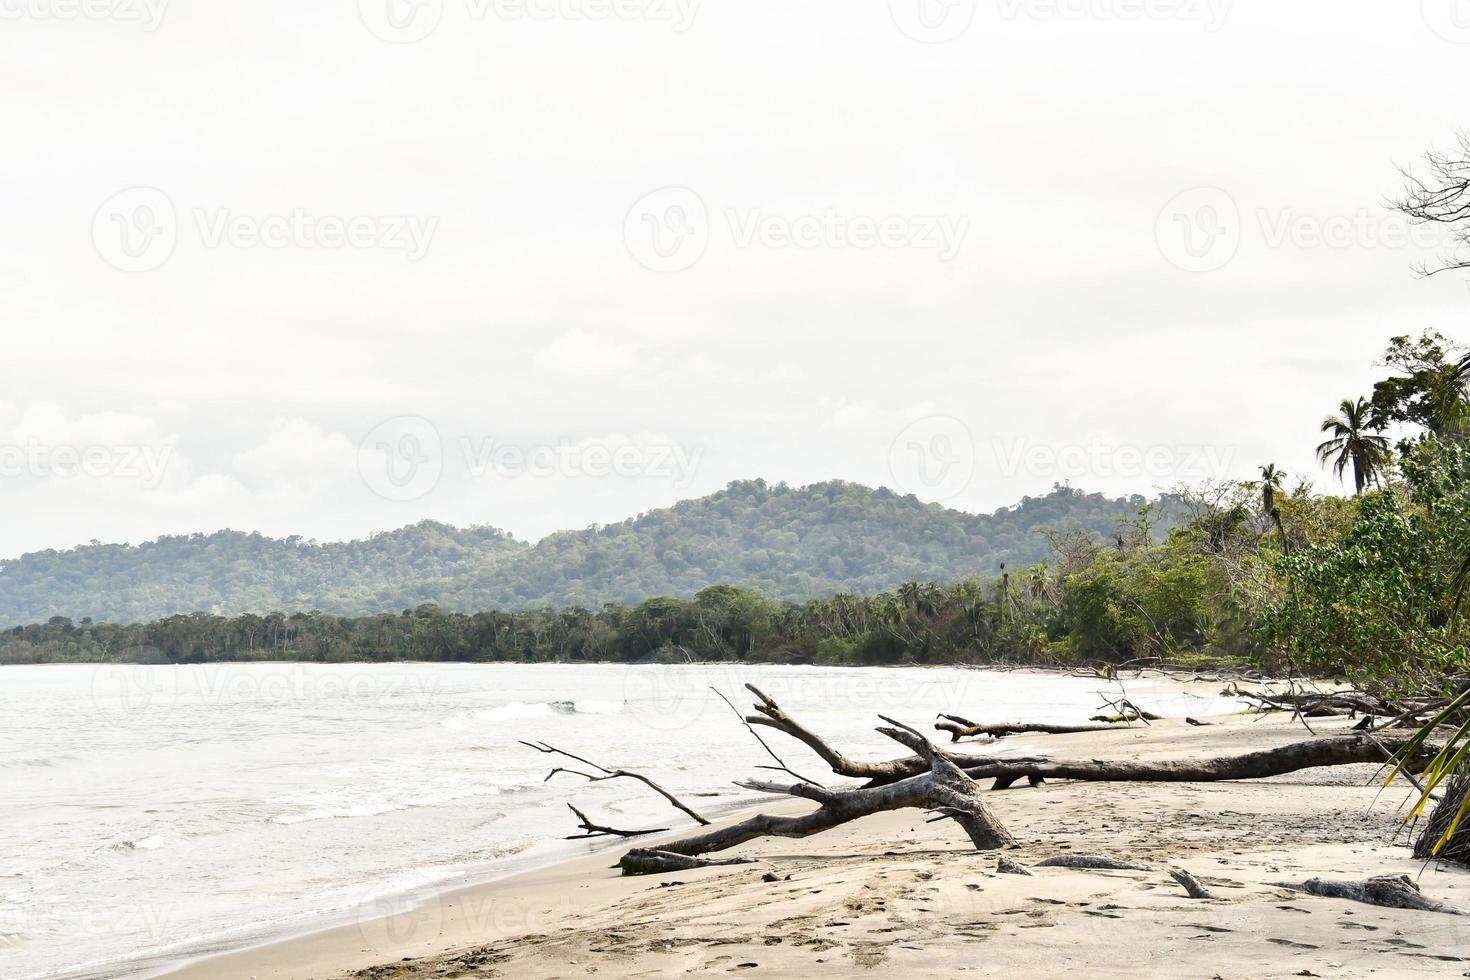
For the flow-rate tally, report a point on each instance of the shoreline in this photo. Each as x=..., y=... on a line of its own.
x=505, y=900
x=847, y=896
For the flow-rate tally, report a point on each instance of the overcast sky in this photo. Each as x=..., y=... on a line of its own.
x=333, y=267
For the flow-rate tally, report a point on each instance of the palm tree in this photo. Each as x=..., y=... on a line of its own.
x=1352, y=442
x=1271, y=478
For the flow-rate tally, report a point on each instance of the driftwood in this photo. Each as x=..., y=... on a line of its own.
x=652, y=861
x=1008, y=867
x=1091, y=862
x=944, y=790
x=1389, y=891
x=1191, y=883
x=606, y=774
x=959, y=728
x=1331, y=751
x=597, y=830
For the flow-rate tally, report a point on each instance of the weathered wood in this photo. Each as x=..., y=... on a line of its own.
x=1091, y=862
x=598, y=830
x=959, y=728
x=944, y=790
x=1191, y=883
x=606, y=774
x=1389, y=891
x=650, y=861
x=1006, y=866
x=1336, y=750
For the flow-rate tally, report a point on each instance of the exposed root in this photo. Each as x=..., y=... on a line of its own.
x=1389, y=891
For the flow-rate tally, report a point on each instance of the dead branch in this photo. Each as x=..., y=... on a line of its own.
x=1191, y=883
x=1389, y=891
x=597, y=830
x=607, y=774
x=780, y=765
x=959, y=728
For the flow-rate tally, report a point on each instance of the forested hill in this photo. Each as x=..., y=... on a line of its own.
x=789, y=543
x=230, y=572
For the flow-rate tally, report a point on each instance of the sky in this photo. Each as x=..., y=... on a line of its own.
x=333, y=268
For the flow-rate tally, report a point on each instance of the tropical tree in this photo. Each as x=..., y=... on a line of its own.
x=1271, y=478
x=1353, y=441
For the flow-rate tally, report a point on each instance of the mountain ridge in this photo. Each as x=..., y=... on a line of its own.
x=789, y=542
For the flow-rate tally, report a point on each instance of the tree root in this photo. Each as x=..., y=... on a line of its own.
x=1388, y=891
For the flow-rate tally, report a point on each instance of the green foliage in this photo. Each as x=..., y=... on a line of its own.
x=1377, y=601
x=791, y=544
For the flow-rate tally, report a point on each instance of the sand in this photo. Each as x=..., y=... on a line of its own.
x=893, y=894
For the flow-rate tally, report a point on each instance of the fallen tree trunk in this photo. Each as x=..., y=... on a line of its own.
x=944, y=789
x=653, y=861
x=1338, y=750
x=1389, y=891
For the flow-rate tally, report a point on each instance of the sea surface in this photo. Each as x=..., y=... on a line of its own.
x=152, y=813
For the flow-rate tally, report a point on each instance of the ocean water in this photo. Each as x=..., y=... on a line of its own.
x=151, y=813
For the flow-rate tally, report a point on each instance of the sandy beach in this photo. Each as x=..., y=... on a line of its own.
x=892, y=893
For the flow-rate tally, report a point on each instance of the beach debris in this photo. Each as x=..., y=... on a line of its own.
x=944, y=790
x=652, y=861
x=1337, y=750
x=1191, y=883
x=1388, y=891
x=1091, y=862
x=959, y=728
x=1006, y=866
x=597, y=830
x=603, y=774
